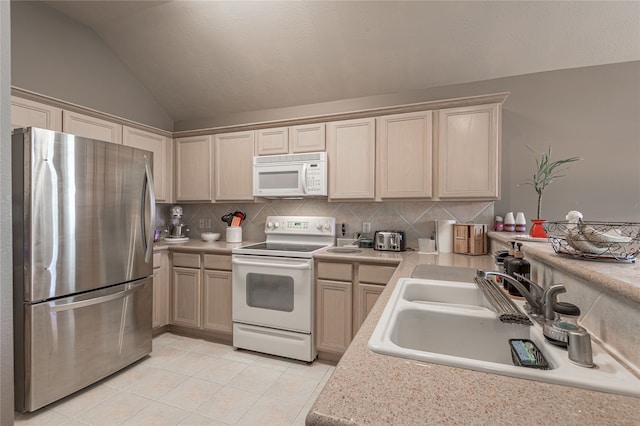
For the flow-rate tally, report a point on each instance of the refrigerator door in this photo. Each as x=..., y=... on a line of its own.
x=87, y=211
x=72, y=342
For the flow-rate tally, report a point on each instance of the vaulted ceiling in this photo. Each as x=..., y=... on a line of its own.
x=203, y=58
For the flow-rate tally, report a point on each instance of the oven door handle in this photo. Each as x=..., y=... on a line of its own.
x=273, y=265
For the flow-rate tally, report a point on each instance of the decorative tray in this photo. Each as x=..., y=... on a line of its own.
x=616, y=241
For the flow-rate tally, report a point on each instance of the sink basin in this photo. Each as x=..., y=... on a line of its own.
x=448, y=292
x=452, y=323
x=479, y=335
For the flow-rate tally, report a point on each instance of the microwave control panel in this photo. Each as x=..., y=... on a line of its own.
x=314, y=178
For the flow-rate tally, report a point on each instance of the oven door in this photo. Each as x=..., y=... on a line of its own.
x=273, y=292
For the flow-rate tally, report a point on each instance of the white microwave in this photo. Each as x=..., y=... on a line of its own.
x=290, y=176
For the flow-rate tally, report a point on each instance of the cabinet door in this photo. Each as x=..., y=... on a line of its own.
x=367, y=296
x=193, y=162
x=351, y=155
x=469, y=152
x=160, y=290
x=405, y=155
x=273, y=141
x=90, y=127
x=217, y=301
x=307, y=138
x=186, y=297
x=160, y=146
x=234, y=166
x=333, y=315
x=26, y=113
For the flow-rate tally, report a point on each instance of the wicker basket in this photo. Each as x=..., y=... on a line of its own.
x=618, y=241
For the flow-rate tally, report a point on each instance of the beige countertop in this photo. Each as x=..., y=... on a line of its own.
x=369, y=388
x=197, y=245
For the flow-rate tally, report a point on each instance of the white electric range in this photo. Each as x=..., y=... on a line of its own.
x=273, y=289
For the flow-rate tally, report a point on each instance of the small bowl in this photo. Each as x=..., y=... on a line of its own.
x=210, y=236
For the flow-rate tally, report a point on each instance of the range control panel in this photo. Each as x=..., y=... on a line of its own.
x=300, y=225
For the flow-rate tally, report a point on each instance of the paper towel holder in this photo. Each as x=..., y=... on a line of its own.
x=444, y=235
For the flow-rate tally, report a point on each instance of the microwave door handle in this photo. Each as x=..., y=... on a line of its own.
x=304, y=178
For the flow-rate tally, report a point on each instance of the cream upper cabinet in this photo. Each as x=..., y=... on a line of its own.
x=469, y=152
x=404, y=156
x=291, y=140
x=234, y=166
x=307, y=138
x=27, y=113
x=194, y=168
x=91, y=127
x=272, y=141
x=161, y=148
x=351, y=147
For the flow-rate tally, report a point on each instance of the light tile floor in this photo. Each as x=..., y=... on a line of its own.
x=188, y=381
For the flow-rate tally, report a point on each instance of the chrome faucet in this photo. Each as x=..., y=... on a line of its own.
x=540, y=300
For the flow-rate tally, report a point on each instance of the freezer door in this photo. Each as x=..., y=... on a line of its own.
x=88, y=213
x=73, y=342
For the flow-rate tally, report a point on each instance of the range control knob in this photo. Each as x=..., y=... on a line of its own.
x=276, y=225
x=327, y=227
x=269, y=225
x=319, y=226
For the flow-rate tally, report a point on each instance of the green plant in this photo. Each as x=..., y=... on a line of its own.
x=546, y=172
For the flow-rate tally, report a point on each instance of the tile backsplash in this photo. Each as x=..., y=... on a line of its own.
x=416, y=218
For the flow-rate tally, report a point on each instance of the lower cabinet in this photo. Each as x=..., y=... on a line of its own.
x=217, y=293
x=202, y=291
x=345, y=294
x=333, y=325
x=160, y=289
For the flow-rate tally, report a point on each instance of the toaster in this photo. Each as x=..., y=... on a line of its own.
x=389, y=241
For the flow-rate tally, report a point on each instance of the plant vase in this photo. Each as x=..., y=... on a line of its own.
x=537, y=230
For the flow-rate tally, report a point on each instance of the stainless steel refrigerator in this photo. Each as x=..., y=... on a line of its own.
x=83, y=216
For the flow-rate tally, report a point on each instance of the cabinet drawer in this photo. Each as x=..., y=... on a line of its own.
x=376, y=274
x=220, y=262
x=157, y=259
x=335, y=271
x=187, y=260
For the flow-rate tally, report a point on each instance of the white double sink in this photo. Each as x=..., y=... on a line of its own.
x=452, y=323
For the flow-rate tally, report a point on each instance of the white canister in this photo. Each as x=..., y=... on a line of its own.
x=234, y=234
x=521, y=222
x=509, y=222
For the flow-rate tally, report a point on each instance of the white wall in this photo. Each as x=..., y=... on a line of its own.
x=6, y=263
x=55, y=56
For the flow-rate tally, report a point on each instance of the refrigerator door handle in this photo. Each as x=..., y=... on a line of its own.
x=95, y=301
x=147, y=229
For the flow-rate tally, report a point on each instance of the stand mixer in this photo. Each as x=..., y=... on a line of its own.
x=176, y=229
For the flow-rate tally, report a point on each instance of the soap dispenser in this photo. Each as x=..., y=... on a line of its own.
x=505, y=262
x=518, y=265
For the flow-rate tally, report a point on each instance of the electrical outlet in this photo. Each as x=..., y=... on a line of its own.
x=204, y=223
x=366, y=227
